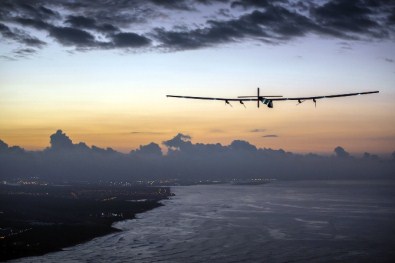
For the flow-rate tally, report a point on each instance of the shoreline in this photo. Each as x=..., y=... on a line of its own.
x=39, y=220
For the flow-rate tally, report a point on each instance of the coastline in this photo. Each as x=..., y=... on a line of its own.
x=39, y=220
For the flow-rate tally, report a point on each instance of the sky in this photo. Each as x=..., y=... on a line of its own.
x=100, y=71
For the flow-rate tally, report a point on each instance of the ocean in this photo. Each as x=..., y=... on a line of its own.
x=283, y=221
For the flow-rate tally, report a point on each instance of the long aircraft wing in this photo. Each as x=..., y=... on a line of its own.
x=324, y=97
x=273, y=98
x=209, y=98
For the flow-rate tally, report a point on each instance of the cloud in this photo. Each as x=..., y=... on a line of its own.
x=81, y=22
x=370, y=156
x=345, y=46
x=47, y=12
x=5, y=149
x=389, y=60
x=24, y=52
x=130, y=40
x=274, y=24
x=252, y=3
x=65, y=161
x=20, y=36
x=151, y=149
x=351, y=16
x=178, y=141
x=181, y=5
x=60, y=141
x=216, y=32
x=270, y=136
x=111, y=24
x=341, y=153
x=71, y=36
x=90, y=23
x=23, y=9
x=258, y=130
x=106, y=151
x=36, y=23
x=8, y=58
x=240, y=145
x=3, y=146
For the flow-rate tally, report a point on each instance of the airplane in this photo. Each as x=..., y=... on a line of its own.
x=268, y=99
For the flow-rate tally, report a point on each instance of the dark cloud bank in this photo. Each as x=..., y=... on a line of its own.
x=152, y=25
x=67, y=161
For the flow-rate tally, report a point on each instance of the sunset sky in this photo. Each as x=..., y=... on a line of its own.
x=100, y=71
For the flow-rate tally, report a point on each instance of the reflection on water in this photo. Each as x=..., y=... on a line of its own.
x=330, y=221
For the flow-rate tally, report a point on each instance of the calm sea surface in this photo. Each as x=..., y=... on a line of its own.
x=308, y=221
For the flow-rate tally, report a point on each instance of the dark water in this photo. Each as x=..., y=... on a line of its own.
x=331, y=221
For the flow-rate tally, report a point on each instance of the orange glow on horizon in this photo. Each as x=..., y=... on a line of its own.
x=351, y=123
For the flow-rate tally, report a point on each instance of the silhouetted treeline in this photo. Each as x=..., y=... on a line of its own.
x=65, y=161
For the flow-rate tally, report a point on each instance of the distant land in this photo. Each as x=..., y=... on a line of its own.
x=37, y=219
x=64, y=161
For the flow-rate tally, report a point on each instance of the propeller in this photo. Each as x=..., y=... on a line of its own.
x=227, y=102
x=300, y=102
x=242, y=103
